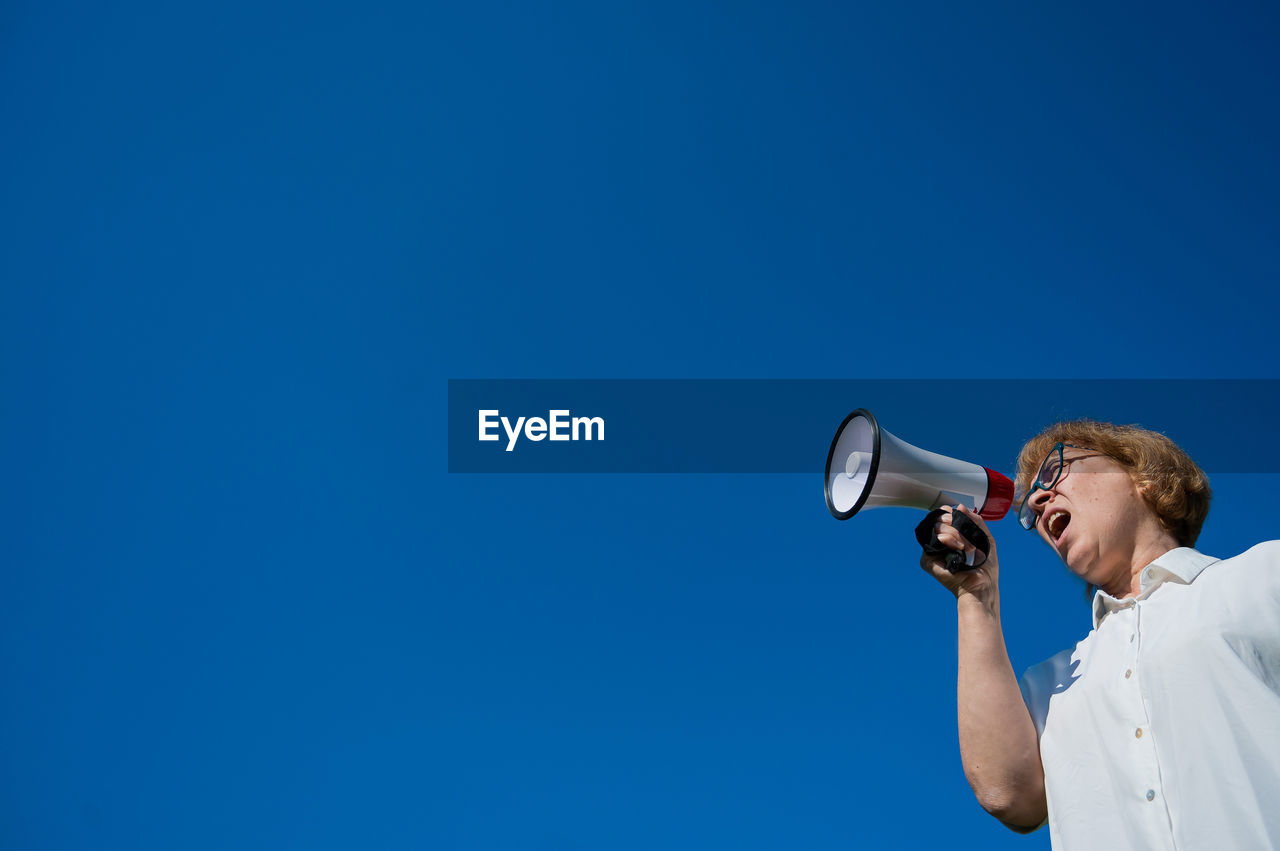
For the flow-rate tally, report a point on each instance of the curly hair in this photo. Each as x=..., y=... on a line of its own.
x=1173, y=485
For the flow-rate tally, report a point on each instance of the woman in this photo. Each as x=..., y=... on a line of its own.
x=1161, y=728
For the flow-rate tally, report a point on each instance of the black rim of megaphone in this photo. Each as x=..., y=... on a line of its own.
x=875, y=464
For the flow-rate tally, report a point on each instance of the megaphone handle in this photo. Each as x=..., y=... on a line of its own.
x=955, y=560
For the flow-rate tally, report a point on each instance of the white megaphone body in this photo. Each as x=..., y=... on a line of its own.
x=867, y=467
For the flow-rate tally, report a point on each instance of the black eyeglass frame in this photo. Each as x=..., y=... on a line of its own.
x=1027, y=518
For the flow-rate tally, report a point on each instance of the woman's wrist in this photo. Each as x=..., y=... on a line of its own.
x=984, y=600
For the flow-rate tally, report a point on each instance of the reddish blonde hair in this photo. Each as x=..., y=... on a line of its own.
x=1173, y=485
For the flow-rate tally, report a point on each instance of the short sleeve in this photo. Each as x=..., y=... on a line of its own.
x=1042, y=681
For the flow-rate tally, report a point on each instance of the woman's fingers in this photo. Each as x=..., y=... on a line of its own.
x=947, y=534
x=981, y=524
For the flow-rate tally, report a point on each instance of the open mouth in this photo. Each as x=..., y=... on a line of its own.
x=1056, y=524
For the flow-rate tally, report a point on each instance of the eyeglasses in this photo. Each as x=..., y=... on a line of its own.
x=1052, y=470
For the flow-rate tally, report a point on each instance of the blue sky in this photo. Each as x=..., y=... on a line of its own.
x=244, y=604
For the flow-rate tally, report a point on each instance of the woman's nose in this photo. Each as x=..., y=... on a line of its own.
x=1039, y=498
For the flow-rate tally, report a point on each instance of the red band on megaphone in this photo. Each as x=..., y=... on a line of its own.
x=999, y=496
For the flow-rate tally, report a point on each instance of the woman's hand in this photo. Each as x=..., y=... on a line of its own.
x=981, y=581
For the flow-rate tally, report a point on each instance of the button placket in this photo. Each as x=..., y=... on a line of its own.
x=1141, y=730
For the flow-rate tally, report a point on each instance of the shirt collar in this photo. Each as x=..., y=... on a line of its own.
x=1181, y=565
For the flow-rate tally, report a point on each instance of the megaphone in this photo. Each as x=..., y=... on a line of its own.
x=867, y=467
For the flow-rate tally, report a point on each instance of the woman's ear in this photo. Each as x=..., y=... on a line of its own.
x=1144, y=491
x=1143, y=488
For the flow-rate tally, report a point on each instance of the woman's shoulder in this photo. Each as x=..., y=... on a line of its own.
x=1267, y=552
x=1256, y=571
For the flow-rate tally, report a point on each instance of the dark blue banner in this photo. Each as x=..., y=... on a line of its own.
x=786, y=426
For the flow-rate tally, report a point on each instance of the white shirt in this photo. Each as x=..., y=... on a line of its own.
x=1161, y=729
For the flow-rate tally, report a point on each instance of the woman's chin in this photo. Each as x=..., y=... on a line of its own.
x=1081, y=566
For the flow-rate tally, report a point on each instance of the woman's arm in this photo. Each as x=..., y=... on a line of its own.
x=998, y=743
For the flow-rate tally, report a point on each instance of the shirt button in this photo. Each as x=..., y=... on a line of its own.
x=1137, y=734
x=1130, y=638
x=1151, y=794
x=1128, y=673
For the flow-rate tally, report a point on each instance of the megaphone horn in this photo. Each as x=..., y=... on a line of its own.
x=867, y=467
